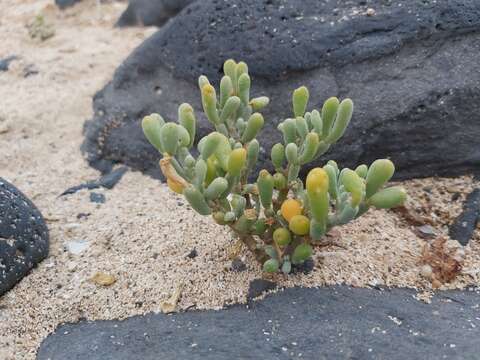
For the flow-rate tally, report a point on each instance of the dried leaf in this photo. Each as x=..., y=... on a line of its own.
x=170, y=305
x=103, y=279
x=445, y=262
x=235, y=250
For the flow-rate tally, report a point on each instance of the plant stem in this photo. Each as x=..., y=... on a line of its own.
x=251, y=244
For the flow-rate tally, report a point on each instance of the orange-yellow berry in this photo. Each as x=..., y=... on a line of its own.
x=300, y=225
x=290, y=208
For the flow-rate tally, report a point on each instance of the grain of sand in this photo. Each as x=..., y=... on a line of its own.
x=143, y=233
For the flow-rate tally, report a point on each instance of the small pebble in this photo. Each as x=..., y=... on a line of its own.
x=76, y=247
x=426, y=231
x=83, y=215
x=4, y=63
x=238, y=265
x=192, y=254
x=97, y=198
x=426, y=271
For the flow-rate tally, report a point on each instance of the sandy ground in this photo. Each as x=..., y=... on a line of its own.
x=142, y=234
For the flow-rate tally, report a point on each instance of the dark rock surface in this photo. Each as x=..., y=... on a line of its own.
x=465, y=224
x=23, y=236
x=107, y=181
x=62, y=4
x=151, y=12
x=411, y=69
x=258, y=287
x=324, y=323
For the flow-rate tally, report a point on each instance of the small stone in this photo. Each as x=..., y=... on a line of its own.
x=427, y=189
x=5, y=63
x=192, y=254
x=238, y=265
x=83, y=215
x=426, y=271
x=306, y=267
x=370, y=12
x=76, y=247
x=97, y=198
x=103, y=279
x=455, y=196
x=452, y=189
x=426, y=232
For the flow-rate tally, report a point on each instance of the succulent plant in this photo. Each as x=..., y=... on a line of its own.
x=279, y=217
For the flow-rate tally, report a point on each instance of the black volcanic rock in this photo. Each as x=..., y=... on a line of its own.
x=411, y=69
x=465, y=224
x=323, y=323
x=151, y=12
x=23, y=236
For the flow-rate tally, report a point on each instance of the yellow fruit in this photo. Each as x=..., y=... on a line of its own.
x=175, y=186
x=300, y=225
x=317, y=181
x=290, y=208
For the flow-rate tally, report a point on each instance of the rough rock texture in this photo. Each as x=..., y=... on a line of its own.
x=411, y=68
x=466, y=223
x=151, y=12
x=299, y=323
x=23, y=236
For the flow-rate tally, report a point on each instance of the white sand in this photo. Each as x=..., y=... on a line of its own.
x=142, y=234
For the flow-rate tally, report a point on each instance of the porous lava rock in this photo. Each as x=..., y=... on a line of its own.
x=23, y=236
x=411, y=68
